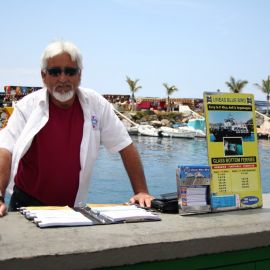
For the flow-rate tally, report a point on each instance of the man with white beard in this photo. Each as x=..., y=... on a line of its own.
x=48, y=148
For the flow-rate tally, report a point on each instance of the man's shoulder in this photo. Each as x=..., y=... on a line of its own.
x=38, y=95
x=32, y=101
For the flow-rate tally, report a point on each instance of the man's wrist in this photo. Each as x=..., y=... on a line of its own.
x=2, y=198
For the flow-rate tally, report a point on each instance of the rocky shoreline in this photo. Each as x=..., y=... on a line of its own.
x=157, y=118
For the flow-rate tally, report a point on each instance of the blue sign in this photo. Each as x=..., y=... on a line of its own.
x=249, y=200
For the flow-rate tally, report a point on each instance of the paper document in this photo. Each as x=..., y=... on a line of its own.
x=129, y=215
x=85, y=216
x=61, y=216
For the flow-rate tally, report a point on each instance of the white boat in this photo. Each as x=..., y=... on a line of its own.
x=133, y=130
x=263, y=131
x=199, y=126
x=230, y=127
x=180, y=132
x=198, y=132
x=148, y=130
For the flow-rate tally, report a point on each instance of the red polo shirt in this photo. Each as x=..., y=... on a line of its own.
x=50, y=169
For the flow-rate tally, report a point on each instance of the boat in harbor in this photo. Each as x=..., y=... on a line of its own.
x=263, y=131
x=230, y=128
x=133, y=130
x=180, y=132
x=198, y=124
x=148, y=130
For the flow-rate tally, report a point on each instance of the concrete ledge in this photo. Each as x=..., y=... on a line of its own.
x=24, y=246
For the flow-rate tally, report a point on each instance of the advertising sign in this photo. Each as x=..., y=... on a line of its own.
x=232, y=151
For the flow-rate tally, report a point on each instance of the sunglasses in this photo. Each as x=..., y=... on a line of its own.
x=57, y=71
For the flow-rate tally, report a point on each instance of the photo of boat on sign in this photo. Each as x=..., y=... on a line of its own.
x=230, y=124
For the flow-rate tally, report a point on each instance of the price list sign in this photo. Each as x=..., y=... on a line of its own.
x=232, y=151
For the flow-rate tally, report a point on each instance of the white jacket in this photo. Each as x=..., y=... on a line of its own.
x=101, y=125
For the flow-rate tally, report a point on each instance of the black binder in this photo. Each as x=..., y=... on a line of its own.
x=85, y=216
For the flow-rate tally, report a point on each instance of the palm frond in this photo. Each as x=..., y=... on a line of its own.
x=236, y=86
x=264, y=86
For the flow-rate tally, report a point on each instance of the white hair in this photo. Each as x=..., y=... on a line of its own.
x=59, y=47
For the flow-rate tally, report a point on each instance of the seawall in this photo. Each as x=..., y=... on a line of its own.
x=170, y=241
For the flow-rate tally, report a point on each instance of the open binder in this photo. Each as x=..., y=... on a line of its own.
x=86, y=216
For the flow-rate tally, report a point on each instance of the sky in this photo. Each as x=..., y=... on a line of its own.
x=195, y=45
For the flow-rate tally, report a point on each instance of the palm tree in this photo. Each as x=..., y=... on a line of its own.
x=236, y=86
x=169, y=91
x=133, y=88
x=265, y=87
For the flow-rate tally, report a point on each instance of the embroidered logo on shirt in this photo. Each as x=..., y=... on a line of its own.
x=94, y=121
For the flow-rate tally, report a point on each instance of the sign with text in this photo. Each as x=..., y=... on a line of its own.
x=232, y=151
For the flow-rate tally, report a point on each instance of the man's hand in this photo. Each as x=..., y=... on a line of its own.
x=143, y=199
x=5, y=165
x=3, y=209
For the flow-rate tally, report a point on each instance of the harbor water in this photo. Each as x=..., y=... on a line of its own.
x=160, y=158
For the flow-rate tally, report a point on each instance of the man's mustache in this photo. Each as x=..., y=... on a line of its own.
x=66, y=86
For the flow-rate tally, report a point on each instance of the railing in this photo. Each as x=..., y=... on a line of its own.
x=265, y=116
x=122, y=115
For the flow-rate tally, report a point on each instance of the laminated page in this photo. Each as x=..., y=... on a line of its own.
x=34, y=213
x=71, y=220
x=85, y=216
x=135, y=215
x=196, y=190
x=31, y=211
x=64, y=216
x=103, y=209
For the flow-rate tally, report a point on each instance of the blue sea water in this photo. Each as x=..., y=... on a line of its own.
x=250, y=138
x=160, y=157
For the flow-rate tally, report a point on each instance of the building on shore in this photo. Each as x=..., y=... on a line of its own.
x=156, y=103
x=14, y=92
x=113, y=98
